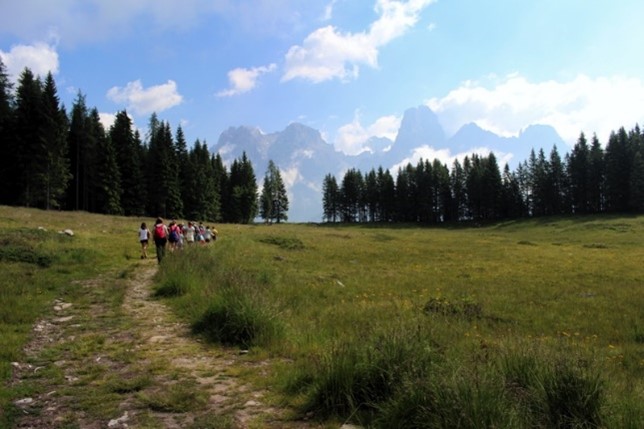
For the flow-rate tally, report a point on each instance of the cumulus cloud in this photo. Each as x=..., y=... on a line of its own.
x=507, y=105
x=107, y=119
x=40, y=58
x=353, y=137
x=243, y=80
x=328, y=53
x=144, y=101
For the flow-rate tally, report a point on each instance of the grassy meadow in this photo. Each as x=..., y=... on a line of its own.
x=535, y=323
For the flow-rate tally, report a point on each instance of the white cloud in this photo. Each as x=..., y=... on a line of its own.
x=143, y=101
x=352, y=138
x=328, y=53
x=508, y=105
x=40, y=58
x=107, y=119
x=243, y=80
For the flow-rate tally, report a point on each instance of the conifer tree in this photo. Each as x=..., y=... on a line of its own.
x=30, y=153
x=618, y=171
x=128, y=158
x=163, y=188
x=595, y=190
x=273, y=204
x=221, y=185
x=330, y=199
x=242, y=191
x=82, y=154
x=386, y=195
x=8, y=171
x=54, y=175
x=107, y=186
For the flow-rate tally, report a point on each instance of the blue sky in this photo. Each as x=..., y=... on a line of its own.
x=349, y=68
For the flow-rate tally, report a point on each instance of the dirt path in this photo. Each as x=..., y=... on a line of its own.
x=96, y=365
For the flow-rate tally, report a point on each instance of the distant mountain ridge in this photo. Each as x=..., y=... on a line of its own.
x=304, y=158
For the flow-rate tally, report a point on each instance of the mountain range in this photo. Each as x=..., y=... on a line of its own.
x=305, y=158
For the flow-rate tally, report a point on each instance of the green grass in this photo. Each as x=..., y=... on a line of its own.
x=536, y=323
x=358, y=304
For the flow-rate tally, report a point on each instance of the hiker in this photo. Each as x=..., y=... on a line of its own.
x=189, y=233
x=207, y=235
x=144, y=238
x=173, y=237
x=160, y=238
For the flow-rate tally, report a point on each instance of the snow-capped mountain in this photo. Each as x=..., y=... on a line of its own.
x=304, y=158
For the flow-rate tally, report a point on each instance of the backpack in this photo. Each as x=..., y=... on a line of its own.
x=159, y=231
x=174, y=234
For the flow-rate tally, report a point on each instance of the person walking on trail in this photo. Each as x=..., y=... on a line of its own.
x=189, y=233
x=160, y=238
x=144, y=238
x=173, y=237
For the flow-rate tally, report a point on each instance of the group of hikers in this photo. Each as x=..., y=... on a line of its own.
x=174, y=236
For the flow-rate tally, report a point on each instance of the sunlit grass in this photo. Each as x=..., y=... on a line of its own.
x=474, y=293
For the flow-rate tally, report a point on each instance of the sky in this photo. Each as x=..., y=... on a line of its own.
x=348, y=68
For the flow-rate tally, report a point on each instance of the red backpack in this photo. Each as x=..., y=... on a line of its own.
x=159, y=231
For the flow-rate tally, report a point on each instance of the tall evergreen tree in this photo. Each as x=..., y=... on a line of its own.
x=128, y=157
x=351, y=190
x=8, y=172
x=163, y=187
x=618, y=171
x=243, y=191
x=386, y=195
x=31, y=154
x=459, y=193
x=578, y=169
x=595, y=189
x=54, y=175
x=221, y=184
x=82, y=152
x=107, y=189
x=273, y=205
x=330, y=199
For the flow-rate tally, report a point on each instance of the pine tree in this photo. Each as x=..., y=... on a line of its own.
x=107, y=186
x=351, y=191
x=82, y=153
x=54, y=174
x=618, y=171
x=221, y=185
x=243, y=191
x=31, y=155
x=595, y=190
x=8, y=172
x=386, y=195
x=330, y=199
x=133, y=186
x=273, y=204
x=578, y=170
x=163, y=187
x=459, y=194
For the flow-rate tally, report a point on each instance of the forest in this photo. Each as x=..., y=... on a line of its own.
x=68, y=161
x=590, y=179
x=56, y=160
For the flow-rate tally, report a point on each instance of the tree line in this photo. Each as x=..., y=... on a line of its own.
x=56, y=160
x=589, y=179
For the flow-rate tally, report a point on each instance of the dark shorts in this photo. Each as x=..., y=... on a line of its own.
x=144, y=241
